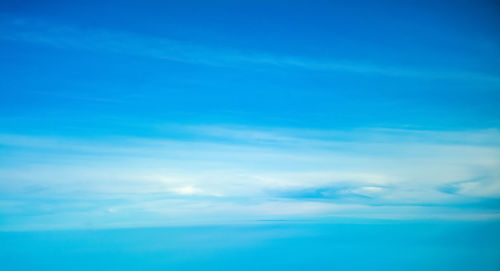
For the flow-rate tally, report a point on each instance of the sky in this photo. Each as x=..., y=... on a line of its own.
x=130, y=114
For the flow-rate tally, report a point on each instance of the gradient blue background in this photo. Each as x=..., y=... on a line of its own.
x=249, y=135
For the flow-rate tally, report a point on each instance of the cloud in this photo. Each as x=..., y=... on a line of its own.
x=192, y=190
x=68, y=37
x=278, y=174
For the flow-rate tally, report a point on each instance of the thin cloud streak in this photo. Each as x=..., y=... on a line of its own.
x=67, y=37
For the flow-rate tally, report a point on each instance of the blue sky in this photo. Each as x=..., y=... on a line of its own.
x=198, y=113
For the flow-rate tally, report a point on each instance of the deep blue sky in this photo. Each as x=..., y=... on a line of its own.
x=424, y=65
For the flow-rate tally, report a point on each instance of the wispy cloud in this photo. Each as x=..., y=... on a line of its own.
x=68, y=37
x=218, y=176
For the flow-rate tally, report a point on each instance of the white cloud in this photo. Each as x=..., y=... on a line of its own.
x=293, y=174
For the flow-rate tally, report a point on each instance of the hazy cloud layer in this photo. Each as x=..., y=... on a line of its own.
x=231, y=174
